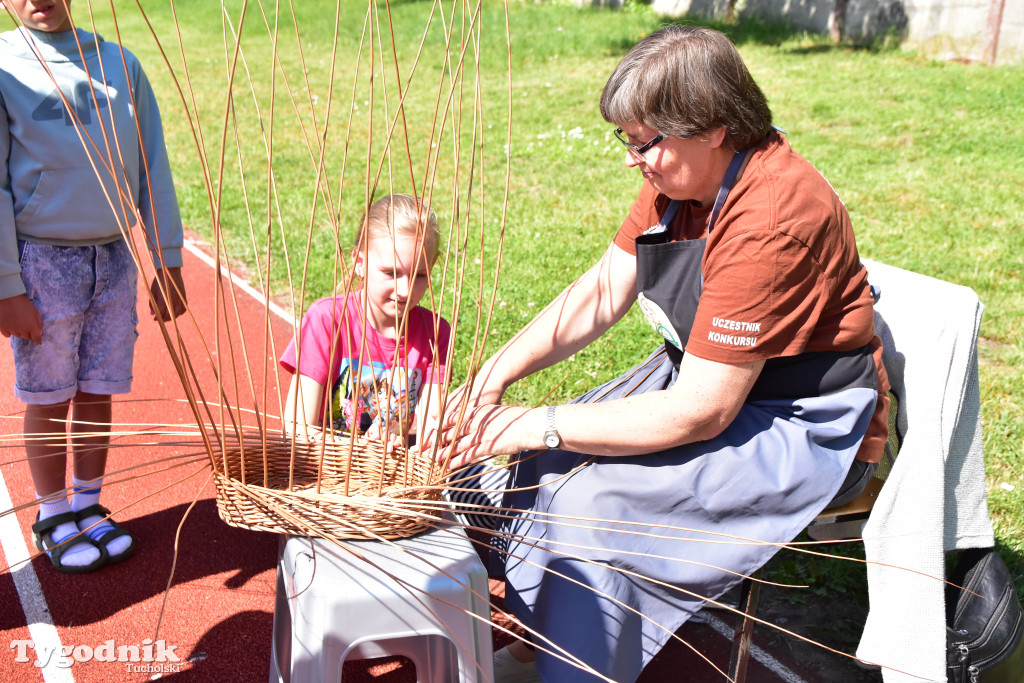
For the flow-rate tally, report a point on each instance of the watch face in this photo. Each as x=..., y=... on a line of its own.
x=551, y=440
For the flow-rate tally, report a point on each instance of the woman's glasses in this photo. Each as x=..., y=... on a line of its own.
x=638, y=151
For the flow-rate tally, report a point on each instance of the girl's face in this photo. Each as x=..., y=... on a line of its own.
x=681, y=168
x=395, y=276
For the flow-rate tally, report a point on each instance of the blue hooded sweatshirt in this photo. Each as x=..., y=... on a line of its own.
x=82, y=148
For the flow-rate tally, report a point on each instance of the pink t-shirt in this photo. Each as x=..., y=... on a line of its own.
x=370, y=376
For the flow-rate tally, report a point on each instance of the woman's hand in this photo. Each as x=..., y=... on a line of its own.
x=462, y=399
x=487, y=387
x=487, y=430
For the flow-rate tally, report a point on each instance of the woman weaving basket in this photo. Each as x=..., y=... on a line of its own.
x=766, y=402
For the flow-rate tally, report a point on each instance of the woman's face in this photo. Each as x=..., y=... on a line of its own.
x=681, y=168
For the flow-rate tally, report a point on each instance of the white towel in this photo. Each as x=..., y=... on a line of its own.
x=935, y=498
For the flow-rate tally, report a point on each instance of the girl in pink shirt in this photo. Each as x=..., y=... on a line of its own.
x=371, y=359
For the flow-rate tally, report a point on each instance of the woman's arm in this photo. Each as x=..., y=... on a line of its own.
x=699, y=406
x=579, y=315
x=302, y=405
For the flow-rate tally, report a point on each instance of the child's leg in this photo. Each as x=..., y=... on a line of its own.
x=90, y=429
x=90, y=433
x=46, y=448
x=105, y=352
x=86, y=297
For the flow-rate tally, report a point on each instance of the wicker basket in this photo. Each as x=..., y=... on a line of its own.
x=346, y=488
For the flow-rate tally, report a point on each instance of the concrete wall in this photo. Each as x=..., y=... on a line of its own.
x=942, y=29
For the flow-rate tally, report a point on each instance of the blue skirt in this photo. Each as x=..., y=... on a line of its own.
x=608, y=556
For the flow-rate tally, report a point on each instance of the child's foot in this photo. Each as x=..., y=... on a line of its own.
x=93, y=519
x=113, y=538
x=73, y=557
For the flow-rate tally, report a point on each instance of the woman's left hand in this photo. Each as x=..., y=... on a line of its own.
x=486, y=430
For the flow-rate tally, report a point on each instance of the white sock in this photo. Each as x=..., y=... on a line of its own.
x=76, y=554
x=87, y=494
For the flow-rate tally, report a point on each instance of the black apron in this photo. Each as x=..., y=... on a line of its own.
x=668, y=274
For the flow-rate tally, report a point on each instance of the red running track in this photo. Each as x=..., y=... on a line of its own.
x=217, y=615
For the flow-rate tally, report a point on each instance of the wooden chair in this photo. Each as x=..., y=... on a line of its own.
x=841, y=523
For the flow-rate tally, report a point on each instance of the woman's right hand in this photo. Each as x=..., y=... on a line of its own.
x=486, y=430
x=430, y=427
x=463, y=399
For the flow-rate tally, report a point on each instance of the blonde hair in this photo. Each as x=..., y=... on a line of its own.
x=400, y=213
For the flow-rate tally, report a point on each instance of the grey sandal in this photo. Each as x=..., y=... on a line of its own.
x=42, y=537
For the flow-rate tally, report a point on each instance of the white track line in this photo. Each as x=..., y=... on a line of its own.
x=37, y=614
x=196, y=251
x=706, y=616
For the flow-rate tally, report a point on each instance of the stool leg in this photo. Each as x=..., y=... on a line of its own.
x=281, y=645
x=745, y=628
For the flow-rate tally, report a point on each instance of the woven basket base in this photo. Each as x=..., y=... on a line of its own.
x=388, y=495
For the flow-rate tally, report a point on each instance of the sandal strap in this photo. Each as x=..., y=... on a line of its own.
x=107, y=529
x=59, y=545
x=110, y=531
x=44, y=525
x=56, y=550
x=95, y=509
x=116, y=531
x=42, y=535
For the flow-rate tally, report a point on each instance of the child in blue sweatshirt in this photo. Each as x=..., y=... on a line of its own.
x=81, y=153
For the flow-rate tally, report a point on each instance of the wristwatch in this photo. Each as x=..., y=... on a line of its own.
x=551, y=437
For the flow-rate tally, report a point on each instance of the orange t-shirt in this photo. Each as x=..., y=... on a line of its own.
x=781, y=271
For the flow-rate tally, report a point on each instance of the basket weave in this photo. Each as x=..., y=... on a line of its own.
x=346, y=488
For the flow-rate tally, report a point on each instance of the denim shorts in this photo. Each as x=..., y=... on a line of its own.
x=86, y=297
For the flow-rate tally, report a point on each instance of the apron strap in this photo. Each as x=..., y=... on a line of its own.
x=669, y=214
x=661, y=229
x=726, y=188
x=723, y=193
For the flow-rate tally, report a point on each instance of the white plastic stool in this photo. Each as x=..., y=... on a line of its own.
x=415, y=601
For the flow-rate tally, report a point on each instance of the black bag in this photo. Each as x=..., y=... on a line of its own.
x=985, y=632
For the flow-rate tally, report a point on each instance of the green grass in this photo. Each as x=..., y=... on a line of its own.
x=926, y=155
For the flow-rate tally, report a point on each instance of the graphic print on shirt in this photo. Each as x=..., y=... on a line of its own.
x=658, y=320
x=372, y=396
x=734, y=339
x=82, y=100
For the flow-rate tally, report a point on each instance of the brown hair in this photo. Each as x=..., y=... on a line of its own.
x=687, y=81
